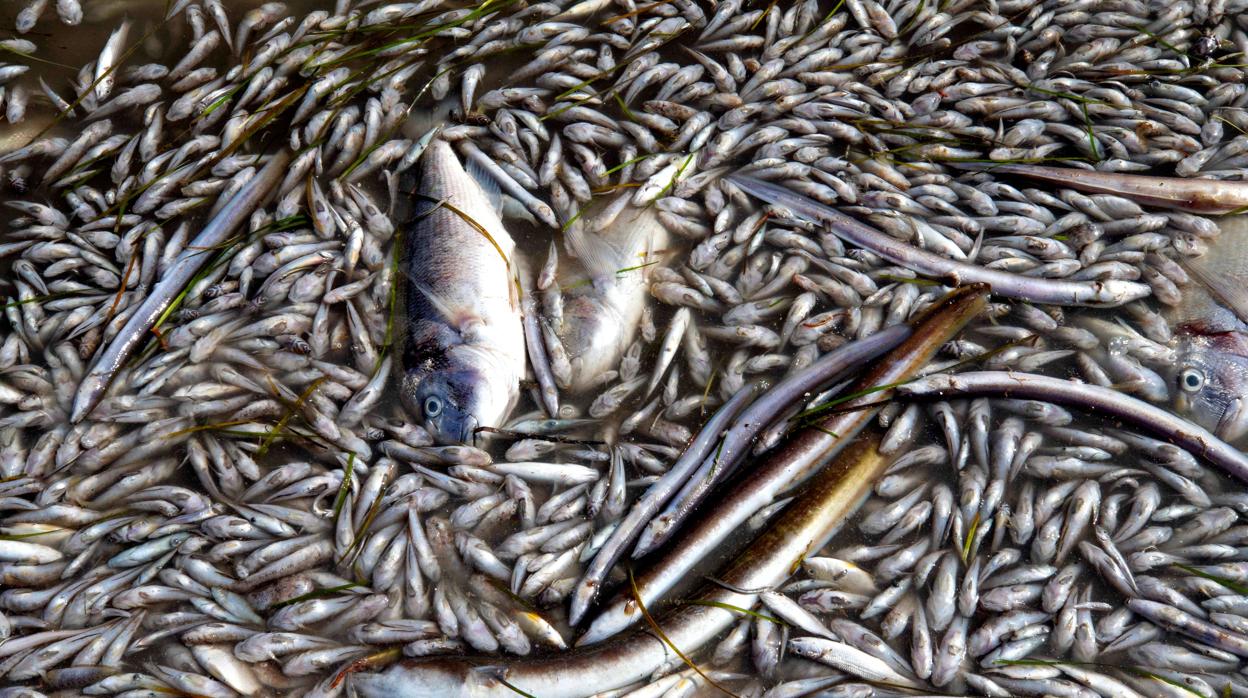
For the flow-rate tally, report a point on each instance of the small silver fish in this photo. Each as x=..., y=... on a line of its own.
x=464, y=352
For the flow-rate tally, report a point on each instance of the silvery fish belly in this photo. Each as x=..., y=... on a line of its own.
x=1211, y=374
x=463, y=352
x=604, y=299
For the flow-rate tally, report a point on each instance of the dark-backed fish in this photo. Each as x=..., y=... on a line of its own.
x=463, y=352
x=1211, y=374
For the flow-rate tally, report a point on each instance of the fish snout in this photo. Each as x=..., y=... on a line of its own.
x=453, y=429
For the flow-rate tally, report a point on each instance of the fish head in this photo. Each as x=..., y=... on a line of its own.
x=454, y=398
x=1211, y=383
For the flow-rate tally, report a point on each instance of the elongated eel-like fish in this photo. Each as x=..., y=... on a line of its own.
x=1093, y=398
x=831, y=368
x=842, y=472
x=653, y=498
x=799, y=532
x=714, y=463
x=1207, y=196
x=793, y=462
x=1107, y=293
x=218, y=230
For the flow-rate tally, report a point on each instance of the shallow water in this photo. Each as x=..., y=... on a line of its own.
x=189, y=450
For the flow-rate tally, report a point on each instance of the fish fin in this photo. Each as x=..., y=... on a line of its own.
x=603, y=257
x=1223, y=269
x=443, y=307
x=489, y=185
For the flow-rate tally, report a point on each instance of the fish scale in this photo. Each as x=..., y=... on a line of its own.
x=252, y=338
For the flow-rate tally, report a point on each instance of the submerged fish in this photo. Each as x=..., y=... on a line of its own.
x=463, y=353
x=1210, y=319
x=604, y=299
x=1211, y=374
x=1204, y=196
x=23, y=134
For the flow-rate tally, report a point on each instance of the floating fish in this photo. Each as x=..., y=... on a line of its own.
x=1211, y=374
x=604, y=298
x=1210, y=317
x=1205, y=196
x=463, y=353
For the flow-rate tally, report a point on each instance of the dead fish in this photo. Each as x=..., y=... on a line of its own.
x=464, y=352
x=603, y=301
x=1179, y=193
x=1211, y=374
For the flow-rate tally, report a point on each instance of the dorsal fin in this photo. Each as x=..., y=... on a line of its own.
x=627, y=244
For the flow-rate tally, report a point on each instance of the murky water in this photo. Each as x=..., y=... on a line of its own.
x=250, y=510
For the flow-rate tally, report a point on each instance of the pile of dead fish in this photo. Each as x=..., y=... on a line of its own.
x=246, y=506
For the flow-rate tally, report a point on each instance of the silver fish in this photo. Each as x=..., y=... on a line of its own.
x=464, y=351
x=1211, y=375
x=601, y=313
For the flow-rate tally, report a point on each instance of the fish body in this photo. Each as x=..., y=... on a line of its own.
x=1202, y=196
x=20, y=135
x=110, y=56
x=1210, y=376
x=604, y=299
x=463, y=352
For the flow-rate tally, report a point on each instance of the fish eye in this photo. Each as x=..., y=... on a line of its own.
x=1191, y=380
x=433, y=406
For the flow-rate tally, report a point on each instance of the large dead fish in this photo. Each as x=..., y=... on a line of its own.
x=1211, y=322
x=604, y=298
x=463, y=349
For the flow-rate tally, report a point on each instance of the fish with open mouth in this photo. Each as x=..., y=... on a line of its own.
x=463, y=351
